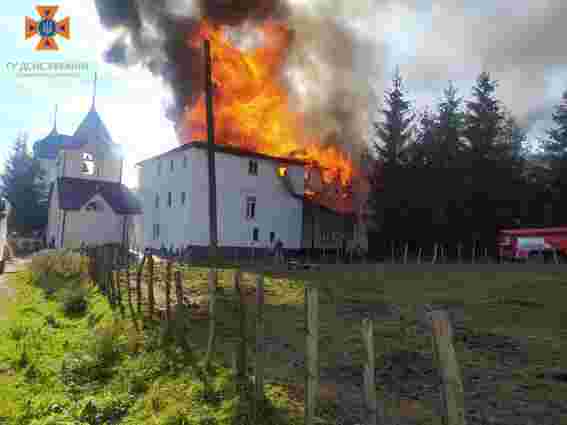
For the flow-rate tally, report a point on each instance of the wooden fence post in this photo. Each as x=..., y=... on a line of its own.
x=369, y=372
x=312, y=360
x=459, y=249
x=419, y=255
x=100, y=269
x=139, y=275
x=151, y=298
x=128, y=288
x=168, y=291
x=435, y=252
x=406, y=254
x=242, y=361
x=118, y=280
x=452, y=387
x=178, y=289
x=473, y=252
x=555, y=256
x=260, y=353
x=212, y=316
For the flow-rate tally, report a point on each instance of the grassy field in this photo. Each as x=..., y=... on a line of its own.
x=509, y=328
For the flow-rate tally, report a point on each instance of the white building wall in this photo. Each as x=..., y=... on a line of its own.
x=53, y=216
x=276, y=210
x=85, y=226
x=72, y=159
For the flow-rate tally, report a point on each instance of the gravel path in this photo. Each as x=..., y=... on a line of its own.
x=12, y=266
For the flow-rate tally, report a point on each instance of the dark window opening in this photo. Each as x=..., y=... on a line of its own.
x=253, y=168
x=272, y=236
x=182, y=198
x=251, y=207
x=169, y=199
x=184, y=162
x=255, y=234
x=157, y=201
x=171, y=165
x=159, y=168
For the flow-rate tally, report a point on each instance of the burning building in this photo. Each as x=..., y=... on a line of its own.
x=285, y=86
x=262, y=198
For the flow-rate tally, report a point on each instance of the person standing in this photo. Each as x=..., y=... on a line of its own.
x=279, y=251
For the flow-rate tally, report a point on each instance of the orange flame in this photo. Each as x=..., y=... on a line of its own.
x=252, y=107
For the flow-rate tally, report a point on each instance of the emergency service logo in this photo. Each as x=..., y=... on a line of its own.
x=47, y=28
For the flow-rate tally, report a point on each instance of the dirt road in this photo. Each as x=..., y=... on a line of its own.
x=12, y=266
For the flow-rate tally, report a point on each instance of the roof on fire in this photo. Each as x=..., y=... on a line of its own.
x=228, y=150
x=74, y=193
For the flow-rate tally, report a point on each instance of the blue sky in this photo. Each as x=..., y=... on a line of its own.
x=412, y=34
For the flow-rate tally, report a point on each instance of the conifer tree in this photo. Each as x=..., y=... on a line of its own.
x=389, y=198
x=23, y=185
x=555, y=148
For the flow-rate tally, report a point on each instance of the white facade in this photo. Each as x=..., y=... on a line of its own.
x=276, y=212
x=92, y=227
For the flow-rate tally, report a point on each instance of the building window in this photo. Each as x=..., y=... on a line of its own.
x=156, y=232
x=169, y=199
x=159, y=168
x=93, y=206
x=253, y=167
x=171, y=165
x=87, y=164
x=255, y=234
x=157, y=201
x=182, y=198
x=184, y=162
x=251, y=207
x=272, y=237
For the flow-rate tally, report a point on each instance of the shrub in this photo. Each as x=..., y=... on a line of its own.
x=74, y=300
x=17, y=332
x=63, y=264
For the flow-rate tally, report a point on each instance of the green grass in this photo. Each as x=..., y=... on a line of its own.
x=508, y=304
x=61, y=368
x=99, y=364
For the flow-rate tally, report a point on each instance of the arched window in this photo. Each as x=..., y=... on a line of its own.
x=87, y=164
x=93, y=206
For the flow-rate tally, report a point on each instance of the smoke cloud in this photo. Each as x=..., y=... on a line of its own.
x=518, y=42
x=328, y=62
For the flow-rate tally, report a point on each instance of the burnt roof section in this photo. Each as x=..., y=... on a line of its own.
x=231, y=150
x=74, y=193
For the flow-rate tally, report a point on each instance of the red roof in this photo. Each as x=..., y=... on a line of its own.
x=535, y=232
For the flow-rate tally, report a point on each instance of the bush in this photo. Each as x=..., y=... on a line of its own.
x=63, y=264
x=74, y=301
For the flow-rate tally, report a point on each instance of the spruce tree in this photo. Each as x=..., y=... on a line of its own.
x=23, y=185
x=390, y=198
x=555, y=149
x=482, y=130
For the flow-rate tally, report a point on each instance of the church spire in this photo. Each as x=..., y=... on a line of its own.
x=94, y=91
x=54, y=131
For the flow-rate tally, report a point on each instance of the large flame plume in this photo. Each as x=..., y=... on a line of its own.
x=298, y=91
x=252, y=105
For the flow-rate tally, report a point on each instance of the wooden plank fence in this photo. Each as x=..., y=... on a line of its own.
x=113, y=277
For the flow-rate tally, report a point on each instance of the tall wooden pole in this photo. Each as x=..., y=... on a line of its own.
x=211, y=154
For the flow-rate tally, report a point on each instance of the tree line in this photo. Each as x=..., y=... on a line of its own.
x=460, y=171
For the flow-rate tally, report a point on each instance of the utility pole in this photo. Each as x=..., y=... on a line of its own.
x=213, y=244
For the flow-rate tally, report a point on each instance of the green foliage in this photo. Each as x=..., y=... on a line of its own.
x=65, y=265
x=24, y=187
x=74, y=301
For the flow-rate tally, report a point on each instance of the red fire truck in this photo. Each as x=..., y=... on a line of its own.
x=520, y=244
